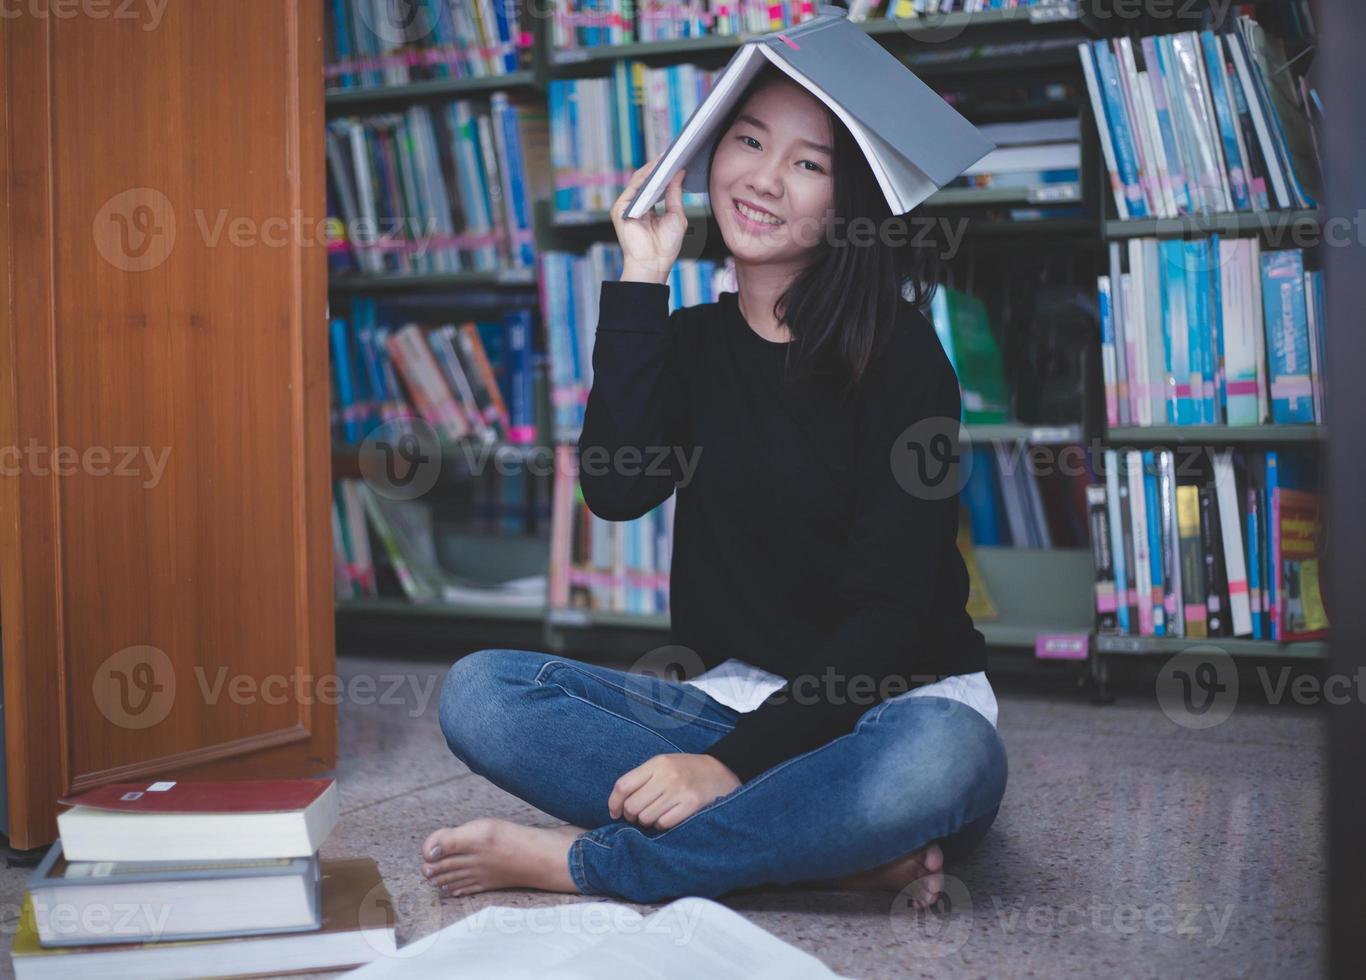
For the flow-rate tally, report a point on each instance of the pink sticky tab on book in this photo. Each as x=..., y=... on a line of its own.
x=789, y=42
x=1061, y=646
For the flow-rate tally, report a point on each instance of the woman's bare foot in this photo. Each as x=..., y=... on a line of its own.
x=923, y=869
x=486, y=854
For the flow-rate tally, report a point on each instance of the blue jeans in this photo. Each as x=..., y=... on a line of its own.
x=558, y=733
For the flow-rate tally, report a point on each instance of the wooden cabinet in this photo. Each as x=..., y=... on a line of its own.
x=165, y=580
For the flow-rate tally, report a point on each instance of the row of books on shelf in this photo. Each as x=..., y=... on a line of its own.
x=372, y=43
x=380, y=542
x=436, y=189
x=1227, y=547
x=606, y=566
x=473, y=379
x=1203, y=122
x=176, y=878
x=598, y=23
x=1211, y=331
x=603, y=129
x=570, y=288
x=1039, y=157
x=1009, y=502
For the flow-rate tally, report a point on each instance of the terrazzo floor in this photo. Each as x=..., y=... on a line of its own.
x=1127, y=845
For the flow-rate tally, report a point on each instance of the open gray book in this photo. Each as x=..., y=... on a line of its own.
x=914, y=141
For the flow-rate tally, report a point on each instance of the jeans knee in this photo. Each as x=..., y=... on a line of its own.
x=466, y=710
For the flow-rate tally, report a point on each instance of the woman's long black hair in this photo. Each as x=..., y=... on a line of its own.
x=842, y=307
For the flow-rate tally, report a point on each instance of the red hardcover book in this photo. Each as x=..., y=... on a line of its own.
x=185, y=820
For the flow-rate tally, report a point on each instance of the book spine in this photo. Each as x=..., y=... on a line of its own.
x=1215, y=602
x=1156, y=597
x=1287, y=335
x=1273, y=578
x=1138, y=522
x=1256, y=595
x=521, y=407
x=1171, y=544
x=1235, y=565
x=1088, y=67
x=1107, y=350
x=1098, y=517
x=1113, y=484
x=1125, y=152
x=1192, y=577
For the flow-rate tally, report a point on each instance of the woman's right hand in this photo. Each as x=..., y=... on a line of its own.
x=650, y=244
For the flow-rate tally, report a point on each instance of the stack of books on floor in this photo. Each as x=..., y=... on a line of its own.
x=1224, y=546
x=1209, y=331
x=196, y=879
x=1198, y=123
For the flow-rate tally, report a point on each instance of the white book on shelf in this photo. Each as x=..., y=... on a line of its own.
x=1138, y=519
x=1231, y=531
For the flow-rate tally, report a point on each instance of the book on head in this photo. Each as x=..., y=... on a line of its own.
x=913, y=140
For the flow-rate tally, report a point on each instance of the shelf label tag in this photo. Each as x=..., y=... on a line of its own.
x=1061, y=646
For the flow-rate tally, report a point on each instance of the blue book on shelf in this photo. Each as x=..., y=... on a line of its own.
x=505, y=115
x=1254, y=569
x=979, y=496
x=341, y=365
x=1223, y=110
x=1176, y=333
x=1273, y=543
x=521, y=380
x=1154, y=521
x=1201, y=323
x=341, y=25
x=1216, y=301
x=1287, y=337
x=1126, y=158
x=1171, y=148
x=561, y=155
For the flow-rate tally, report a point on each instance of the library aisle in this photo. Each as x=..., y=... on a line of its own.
x=1105, y=591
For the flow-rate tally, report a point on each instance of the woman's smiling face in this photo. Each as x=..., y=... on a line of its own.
x=771, y=182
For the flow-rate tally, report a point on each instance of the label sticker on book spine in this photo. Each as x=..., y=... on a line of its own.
x=160, y=787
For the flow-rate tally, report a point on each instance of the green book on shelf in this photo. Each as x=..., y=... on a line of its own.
x=964, y=330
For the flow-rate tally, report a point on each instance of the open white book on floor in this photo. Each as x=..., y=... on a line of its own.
x=595, y=940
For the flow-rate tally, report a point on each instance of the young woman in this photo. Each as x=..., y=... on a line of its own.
x=844, y=734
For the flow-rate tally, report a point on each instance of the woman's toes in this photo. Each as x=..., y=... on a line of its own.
x=438, y=844
x=432, y=871
x=450, y=882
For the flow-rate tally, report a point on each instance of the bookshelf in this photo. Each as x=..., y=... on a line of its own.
x=1037, y=591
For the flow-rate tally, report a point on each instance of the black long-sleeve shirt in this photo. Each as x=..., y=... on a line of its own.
x=795, y=547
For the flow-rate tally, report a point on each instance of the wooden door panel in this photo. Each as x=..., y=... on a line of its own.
x=167, y=327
